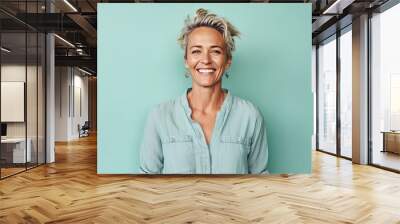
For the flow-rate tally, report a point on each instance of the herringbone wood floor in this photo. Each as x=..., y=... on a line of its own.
x=70, y=191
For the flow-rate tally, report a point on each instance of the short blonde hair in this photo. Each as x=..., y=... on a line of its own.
x=205, y=19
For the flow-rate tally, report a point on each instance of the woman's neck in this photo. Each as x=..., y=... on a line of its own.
x=206, y=100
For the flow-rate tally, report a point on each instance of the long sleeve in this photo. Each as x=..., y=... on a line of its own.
x=151, y=156
x=258, y=156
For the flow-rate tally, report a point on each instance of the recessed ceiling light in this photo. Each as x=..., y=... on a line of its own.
x=5, y=50
x=84, y=71
x=70, y=5
x=337, y=7
x=65, y=41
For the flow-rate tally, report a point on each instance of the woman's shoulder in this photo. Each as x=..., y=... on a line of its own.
x=245, y=106
x=165, y=108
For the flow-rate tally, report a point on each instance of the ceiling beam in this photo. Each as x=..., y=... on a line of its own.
x=85, y=25
x=85, y=61
x=337, y=7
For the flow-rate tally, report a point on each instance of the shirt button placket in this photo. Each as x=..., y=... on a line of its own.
x=203, y=151
x=207, y=165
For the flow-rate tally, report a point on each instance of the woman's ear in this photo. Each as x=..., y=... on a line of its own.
x=228, y=64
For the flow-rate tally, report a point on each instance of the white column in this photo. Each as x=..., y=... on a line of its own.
x=360, y=90
x=50, y=100
x=50, y=92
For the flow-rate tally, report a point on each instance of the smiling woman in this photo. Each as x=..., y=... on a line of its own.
x=206, y=59
x=206, y=130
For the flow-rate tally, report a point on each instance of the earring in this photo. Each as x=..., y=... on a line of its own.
x=187, y=75
x=227, y=75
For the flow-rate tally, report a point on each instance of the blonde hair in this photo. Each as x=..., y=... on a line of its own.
x=205, y=19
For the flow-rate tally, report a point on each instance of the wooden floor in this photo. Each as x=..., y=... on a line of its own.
x=70, y=191
x=5, y=172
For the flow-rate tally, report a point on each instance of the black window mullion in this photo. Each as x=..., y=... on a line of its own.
x=338, y=91
x=26, y=86
x=45, y=94
x=37, y=90
x=369, y=90
x=317, y=96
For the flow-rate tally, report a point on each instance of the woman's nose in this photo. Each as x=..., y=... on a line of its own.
x=206, y=58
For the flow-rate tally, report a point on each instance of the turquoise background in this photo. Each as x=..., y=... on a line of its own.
x=140, y=64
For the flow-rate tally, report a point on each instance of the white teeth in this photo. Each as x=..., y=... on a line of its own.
x=206, y=70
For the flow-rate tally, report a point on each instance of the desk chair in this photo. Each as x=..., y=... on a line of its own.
x=84, y=130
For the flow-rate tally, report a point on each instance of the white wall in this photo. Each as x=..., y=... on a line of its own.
x=71, y=102
x=62, y=81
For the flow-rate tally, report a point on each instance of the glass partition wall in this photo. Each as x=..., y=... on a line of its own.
x=13, y=89
x=22, y=88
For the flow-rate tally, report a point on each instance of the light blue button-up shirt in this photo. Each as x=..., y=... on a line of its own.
x=173, y=143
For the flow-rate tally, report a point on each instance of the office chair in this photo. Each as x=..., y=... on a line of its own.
x=84, y=130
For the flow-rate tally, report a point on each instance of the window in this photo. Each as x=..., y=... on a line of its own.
x=346, y=93
x=327, y=96
x=385, y=88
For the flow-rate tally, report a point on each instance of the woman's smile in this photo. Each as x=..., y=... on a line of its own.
x=206, y=71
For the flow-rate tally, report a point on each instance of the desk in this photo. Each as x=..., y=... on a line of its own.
x=391, y=141
x=16, y=148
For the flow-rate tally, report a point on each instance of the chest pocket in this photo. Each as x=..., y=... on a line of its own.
x=236, y=140
x=236, y=144
x=177, y=139
x=179, y=156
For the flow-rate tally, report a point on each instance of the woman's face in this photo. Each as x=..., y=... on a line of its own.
x=206, y=56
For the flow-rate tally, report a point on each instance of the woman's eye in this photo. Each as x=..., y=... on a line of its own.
x=217, y=52
x=195, y=52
